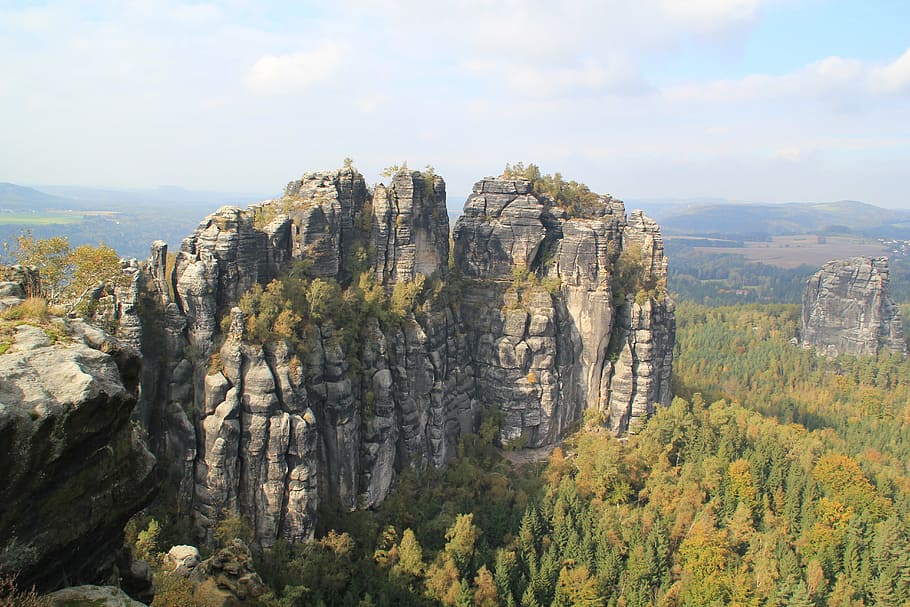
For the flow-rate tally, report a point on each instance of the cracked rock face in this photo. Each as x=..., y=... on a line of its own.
x=71, y=469
x=410, y=228
x=847, y=309
x=544, y=353
x=269, y=431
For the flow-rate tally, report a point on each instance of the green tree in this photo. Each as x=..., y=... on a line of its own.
x=460, y=540
x=410, y=555
x=50, y=256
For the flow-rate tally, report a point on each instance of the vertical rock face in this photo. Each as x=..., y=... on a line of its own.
x=550, y=333
x=847, y=309
x=410, y=228
x=537, y=327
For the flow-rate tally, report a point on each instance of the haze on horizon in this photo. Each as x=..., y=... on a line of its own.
x=772, y=100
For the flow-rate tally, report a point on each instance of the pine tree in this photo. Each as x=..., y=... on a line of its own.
x=799, y=596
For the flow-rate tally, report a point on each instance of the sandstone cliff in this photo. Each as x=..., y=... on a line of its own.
x=847, y=309
x=72, y=468
x=541, y=315
x=551, y=332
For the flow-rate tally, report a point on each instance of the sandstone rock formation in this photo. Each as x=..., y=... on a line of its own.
x=540, y=320
x=72, y=469
x=93, y=596
x=16, y=284
x=227, y=578
x=847, y=309
x=543, y=355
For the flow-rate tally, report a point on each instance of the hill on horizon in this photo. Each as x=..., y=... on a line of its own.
x=15, y=197
x=779, y=219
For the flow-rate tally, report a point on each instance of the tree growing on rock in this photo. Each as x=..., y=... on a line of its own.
x=68, y=275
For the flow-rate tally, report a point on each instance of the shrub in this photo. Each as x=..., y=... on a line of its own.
x=12, y=596
x=233, y=527
x=552, y=284
x=146, y=546
x=404, y=296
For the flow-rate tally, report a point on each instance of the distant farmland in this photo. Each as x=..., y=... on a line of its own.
x=40, y=219
x=807, y=249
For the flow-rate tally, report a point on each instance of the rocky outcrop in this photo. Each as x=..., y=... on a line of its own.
x=410, y=227
x=92, y=596
x=551, y=332
x=72, y=469
x=257, y=441
x=847, y=309
x=16, y=284
x=226, y=579
x=534, y=324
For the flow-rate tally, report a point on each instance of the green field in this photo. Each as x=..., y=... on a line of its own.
x=40, y=219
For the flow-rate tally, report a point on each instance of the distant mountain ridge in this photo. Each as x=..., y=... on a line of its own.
x=21, y=198
x=129, y=219
x=780, y=219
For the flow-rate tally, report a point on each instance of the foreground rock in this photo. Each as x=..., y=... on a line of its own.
x=92, y=596
x=71, y=469
x=847, y=309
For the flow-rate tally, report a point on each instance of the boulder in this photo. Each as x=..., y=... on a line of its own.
x=92, y=596
x=72, y=469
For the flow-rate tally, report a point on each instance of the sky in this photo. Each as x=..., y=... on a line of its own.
x=757, y=100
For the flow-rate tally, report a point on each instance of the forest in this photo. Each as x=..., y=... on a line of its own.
x=720, y=279
x=776, y=477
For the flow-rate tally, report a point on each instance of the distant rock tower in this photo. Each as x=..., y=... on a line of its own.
x=847, y=309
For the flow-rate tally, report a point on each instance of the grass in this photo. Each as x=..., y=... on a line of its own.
x=40, y=219
x=33, y=308
x=33, y=311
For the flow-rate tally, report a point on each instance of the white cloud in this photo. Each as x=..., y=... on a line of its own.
x=835, y=81
x=792, y=154
x=547, y=48
x=894, y=77
x=708, y=15
x=274, y=74
x=568, y=80
x=369, y=103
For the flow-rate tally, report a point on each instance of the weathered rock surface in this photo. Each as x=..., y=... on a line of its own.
x=271, y=430
x=227, y=578
x=183, y=558
x=410, y=228
x=16, y=284
x=71, y=469
x=847, y=309
x=543, y=355
x=92, y=596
